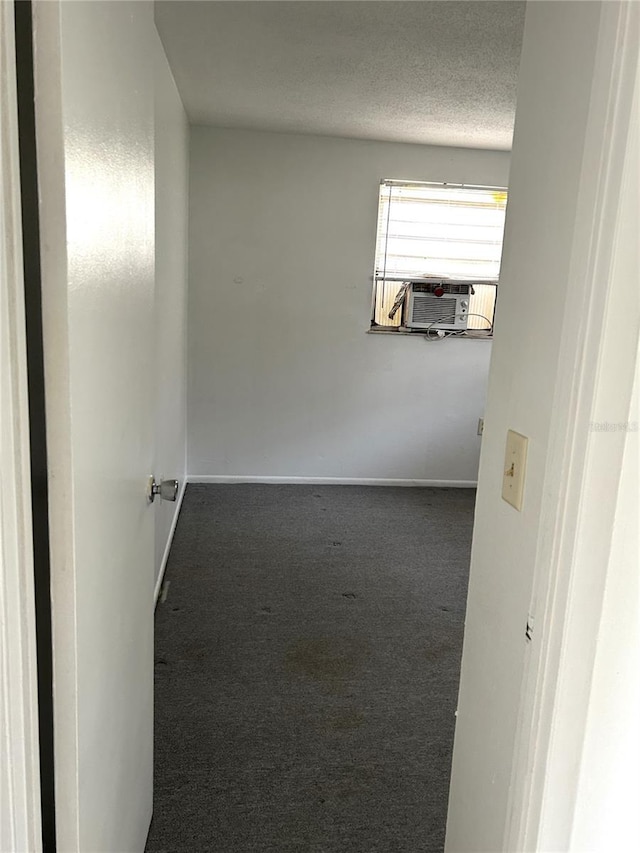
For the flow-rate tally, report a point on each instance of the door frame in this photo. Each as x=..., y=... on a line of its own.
x=23, y=540
x=594, y=383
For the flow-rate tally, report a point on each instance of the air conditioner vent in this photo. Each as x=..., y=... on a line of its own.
x=430, y=310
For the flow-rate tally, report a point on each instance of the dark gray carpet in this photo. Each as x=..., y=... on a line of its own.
x=307, y=666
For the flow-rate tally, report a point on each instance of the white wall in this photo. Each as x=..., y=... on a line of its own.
x=172, y=184
x=544, y=369
x=283, y=379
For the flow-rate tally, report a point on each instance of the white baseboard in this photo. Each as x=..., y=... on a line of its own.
x=331, y=481
x=172, y=530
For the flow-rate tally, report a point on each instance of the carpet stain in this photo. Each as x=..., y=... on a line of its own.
x=332, y=661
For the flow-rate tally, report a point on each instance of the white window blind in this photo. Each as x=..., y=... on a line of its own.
x=438, y=231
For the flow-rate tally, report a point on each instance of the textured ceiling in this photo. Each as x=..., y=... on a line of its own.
x=438, y=72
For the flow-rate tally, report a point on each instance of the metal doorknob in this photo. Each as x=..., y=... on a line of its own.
x=167, y=489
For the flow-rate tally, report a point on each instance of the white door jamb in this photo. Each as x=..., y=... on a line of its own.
x=20, y=822
x=593, y=384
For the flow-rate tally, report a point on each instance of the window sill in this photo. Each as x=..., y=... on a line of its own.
x=473, y=335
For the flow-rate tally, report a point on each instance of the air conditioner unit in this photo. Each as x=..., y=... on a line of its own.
x=437, y=305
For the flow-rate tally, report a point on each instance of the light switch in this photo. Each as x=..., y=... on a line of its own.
x=515, y=463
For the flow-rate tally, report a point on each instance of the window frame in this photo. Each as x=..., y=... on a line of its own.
x=377, y=328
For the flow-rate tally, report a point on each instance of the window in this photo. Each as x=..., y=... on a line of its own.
x=437, y=237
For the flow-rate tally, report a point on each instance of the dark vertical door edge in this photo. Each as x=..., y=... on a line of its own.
x=37, y=423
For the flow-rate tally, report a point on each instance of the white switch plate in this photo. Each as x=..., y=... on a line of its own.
x=515, y=464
